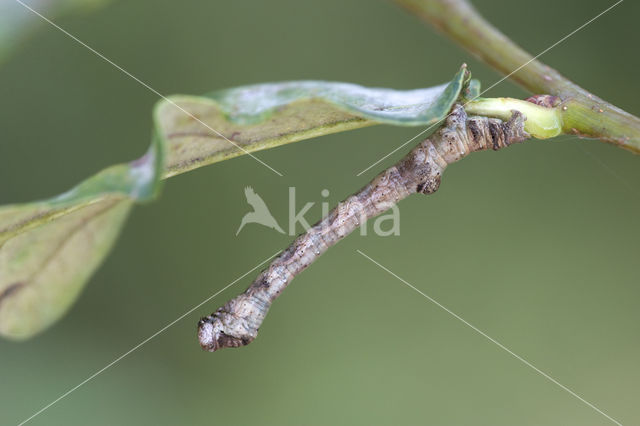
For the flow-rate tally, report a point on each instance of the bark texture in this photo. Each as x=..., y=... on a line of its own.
x=237, y=322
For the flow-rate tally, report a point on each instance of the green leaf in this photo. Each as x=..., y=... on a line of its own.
x=44, y=270
x=471, y=91
x=262, y=116
x=49, y=249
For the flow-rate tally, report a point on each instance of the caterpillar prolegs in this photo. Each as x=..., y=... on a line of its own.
x=237, y=322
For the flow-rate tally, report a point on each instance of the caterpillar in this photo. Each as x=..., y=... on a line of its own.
x=237, y=322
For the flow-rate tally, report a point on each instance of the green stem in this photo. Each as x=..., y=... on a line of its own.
x=541, y=122
x=582, y=112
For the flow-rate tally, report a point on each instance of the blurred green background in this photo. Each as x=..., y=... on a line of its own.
x=536, y=245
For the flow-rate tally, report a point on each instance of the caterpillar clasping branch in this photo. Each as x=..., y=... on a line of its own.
x=237, y=322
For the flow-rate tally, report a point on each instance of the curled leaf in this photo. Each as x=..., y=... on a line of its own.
x=200, y=130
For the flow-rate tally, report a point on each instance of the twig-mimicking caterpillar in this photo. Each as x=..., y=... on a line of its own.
x=237, y=322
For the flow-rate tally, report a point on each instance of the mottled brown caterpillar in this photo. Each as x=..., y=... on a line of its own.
x=237, y=322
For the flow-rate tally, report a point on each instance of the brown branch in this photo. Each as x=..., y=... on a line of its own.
x=237, y=322
x=582, y=112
